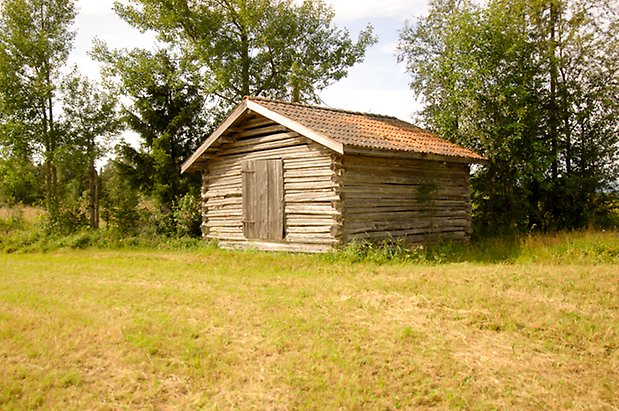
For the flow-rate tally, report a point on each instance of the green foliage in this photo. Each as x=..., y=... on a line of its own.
x=188, y=216
x=533, y=86
x=90, y=121
x=166, y=110
x=279, y=49
x=119, y=201
x=384, y=252
x=586, y=247
x=12, y=222
x=18, y=236
x=35, y=41
x=89, y=114
x=20, y=181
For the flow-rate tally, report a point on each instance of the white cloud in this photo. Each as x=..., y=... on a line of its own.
x=349, y=10
x=96, y=7
x=389, y=48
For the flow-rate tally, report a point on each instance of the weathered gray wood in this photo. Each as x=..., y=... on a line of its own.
x=276, y=246
x=325, y=198
x=249, y=182
x=419, y=200
x=275, y=201
x=262, y=200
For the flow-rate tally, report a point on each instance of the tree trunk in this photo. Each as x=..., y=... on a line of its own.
x=92, y=196
x=245, y=59
x=553, y=120
x=97, y=198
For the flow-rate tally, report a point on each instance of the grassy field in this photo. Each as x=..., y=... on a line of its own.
x=84, y=329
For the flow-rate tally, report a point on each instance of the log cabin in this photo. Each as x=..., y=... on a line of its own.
x=293, y=177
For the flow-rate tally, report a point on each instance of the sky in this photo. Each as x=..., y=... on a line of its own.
x=378, y=85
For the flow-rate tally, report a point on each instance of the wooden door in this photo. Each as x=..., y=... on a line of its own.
x=263, y=199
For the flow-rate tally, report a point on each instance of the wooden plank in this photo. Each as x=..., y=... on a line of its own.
x=236, y=114
x=310, y=185
x=261, y=131
x=279, y=143
x=257, y=121
x=276, y=246
x=264, y=139
x=310, y=172
x=299, y=128
x=275, y=201
x=412, y=155
x=260, y=202
x=248, y=170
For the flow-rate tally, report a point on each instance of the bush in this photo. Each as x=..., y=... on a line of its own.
x=380, y=252
x=188, y=216
x=14, y=221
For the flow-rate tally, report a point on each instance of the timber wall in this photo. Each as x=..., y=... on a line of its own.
x=312, y=206
x=422, y=201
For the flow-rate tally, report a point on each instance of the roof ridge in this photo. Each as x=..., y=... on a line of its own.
x=337, y=110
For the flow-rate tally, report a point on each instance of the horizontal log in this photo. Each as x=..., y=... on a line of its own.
x=256, y=122
x=225, y=182
x=446, y=225
x=223, y=201
x=411, y=179
x=310, y=197
x=223, y=193
x=309, y=185
x=220, y=222
x=362, y=202
x=328, y=230
x=309, y=172
x=316, y=210
x=390, y=165
x=322, y=191
x=227, y=231
x=285, y=142
x=271, y=129
x=392, y=154
x=225, y=237
x=304, y=163
x=307, y=179
x=311, y=238
x=414, y=235
x=396, y=213
x=226, y=213
x=404, y=191
x=304, y=222
x=271, y=246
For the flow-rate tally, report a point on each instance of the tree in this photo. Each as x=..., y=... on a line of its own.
x=91, y=120
x=166, y=109
x=35, y=41
x=272, y=48
x=521, y=82
x=20, y=180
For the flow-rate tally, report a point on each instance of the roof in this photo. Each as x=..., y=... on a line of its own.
x=343, y=130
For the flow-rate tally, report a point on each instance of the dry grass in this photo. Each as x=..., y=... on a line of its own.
x=29, y=214
x=95, y=329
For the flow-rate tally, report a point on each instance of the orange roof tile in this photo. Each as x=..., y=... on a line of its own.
x=365, y=130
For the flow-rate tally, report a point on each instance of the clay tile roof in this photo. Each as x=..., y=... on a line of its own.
x=365, y=130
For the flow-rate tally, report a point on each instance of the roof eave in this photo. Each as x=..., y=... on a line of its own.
x=248, y=105
x=348, y=149
x=295, y=126
x=236, y=113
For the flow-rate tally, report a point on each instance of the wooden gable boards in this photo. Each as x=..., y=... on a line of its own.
x=247, y=106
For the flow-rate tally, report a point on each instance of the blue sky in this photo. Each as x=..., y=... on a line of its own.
x=378, y=85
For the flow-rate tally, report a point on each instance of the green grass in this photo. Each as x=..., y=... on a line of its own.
x=83, y=329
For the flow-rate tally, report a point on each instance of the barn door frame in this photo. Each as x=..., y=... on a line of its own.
x=263, y=199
